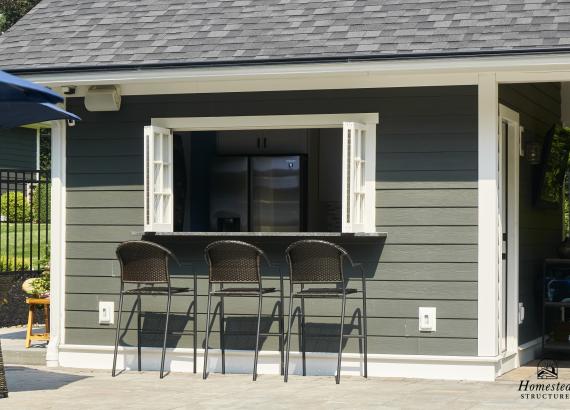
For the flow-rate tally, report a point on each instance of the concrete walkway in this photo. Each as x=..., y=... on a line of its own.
x=46, y=388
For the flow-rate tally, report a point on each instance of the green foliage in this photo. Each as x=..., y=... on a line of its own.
x=556, y=166
x=41, y=199
x=11, y=265
x=40, y=285
x=13, y=10
x=14, y=207
x=45, y=149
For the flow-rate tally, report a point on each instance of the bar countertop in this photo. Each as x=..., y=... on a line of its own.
x=267, y=234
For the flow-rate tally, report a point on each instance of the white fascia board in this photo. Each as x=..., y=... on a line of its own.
x=361, y=74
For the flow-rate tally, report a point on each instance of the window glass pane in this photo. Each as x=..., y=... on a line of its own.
x=157, y=181
x=165, y=208
x=166, y=179
x=157, y=147
x=158, y=208
x=165, y=149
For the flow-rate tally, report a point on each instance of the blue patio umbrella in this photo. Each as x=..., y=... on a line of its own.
x=23, y=102
x=16, y=89
x=23, y=113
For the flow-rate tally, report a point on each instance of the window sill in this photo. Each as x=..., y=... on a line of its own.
x=267, y=234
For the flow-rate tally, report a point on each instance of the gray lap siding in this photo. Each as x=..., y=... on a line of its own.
x=426, y=180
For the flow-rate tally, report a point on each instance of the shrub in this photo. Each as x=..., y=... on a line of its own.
x=41, y=199
x=9, y=265
x=14, y=207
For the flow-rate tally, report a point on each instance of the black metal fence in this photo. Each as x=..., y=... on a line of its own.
x=24, y=219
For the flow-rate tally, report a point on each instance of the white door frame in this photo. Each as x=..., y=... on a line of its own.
x=512, y=119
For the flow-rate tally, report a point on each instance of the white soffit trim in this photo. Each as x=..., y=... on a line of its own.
x=361, y=74
x=263, y=121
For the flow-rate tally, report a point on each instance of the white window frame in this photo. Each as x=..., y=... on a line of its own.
x=158, y=180
x=365, y=122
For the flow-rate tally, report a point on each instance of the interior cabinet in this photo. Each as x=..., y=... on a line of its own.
x=262, y=142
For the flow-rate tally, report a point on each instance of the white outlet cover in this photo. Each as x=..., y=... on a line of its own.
x=106, y=313
x=427, y=319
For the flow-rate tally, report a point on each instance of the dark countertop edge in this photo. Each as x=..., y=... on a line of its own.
x=264, y=234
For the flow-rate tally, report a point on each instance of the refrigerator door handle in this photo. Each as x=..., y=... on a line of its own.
x=258, y=143
x=264, y=142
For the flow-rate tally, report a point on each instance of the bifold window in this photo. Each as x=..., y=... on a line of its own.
x=290, y=173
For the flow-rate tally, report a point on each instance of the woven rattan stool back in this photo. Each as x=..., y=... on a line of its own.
x=315, y=261
x=233, y=262
x=143, y=262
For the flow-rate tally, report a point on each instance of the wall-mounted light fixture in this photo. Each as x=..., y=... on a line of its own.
x=533, y=152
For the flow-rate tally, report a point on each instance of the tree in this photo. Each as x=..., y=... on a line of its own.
x=13, y=10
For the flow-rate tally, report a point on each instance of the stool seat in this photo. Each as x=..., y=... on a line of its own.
x=33, y=303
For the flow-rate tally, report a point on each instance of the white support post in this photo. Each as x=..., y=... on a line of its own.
x=488, y=241
x=57, y=254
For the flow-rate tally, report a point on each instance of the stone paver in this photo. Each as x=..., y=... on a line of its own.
x=35, y=387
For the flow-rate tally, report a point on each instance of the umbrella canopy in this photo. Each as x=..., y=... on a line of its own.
x=15, y=89
x=23, y=113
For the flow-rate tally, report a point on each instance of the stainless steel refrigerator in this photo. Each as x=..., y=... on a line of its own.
x=258, y=194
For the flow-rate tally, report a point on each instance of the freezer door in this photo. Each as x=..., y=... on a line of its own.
x=229, y=195
x=276, y=194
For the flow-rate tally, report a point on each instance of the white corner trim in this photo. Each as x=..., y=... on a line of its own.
x=379, y=365
x=488, y=237
x=263, y=121
x=57, y=250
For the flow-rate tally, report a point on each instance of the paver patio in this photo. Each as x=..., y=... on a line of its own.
x=34, y=387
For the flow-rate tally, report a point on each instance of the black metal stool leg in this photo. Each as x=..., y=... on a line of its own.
x=165, y=334
x=341, y=337
x=286, y=376
x=118, y=331
x=365, y=331
x=222, y=333
x=205, y=370
x=195, y=325
x=282, y=329
x=256, y=356
x=139, y=331
x=303, y=346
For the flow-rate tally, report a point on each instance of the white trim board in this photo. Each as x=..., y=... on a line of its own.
x=322, y=364
x=488, y=240
x=263, y=122
x=58, y=248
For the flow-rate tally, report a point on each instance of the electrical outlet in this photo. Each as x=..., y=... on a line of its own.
x=106, y=313
x=427, y=319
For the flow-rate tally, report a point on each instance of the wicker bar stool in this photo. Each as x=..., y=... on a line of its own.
x=3, y=385
x=236, y=262
x=146, y=263
x=317, y=262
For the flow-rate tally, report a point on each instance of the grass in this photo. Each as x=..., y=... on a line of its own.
x=15, y=239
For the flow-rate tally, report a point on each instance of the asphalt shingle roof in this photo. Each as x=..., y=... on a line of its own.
x=85, y=33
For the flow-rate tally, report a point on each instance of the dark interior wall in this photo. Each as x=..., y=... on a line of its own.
x=18, y=148
x=426, y=202
x=540, y=228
